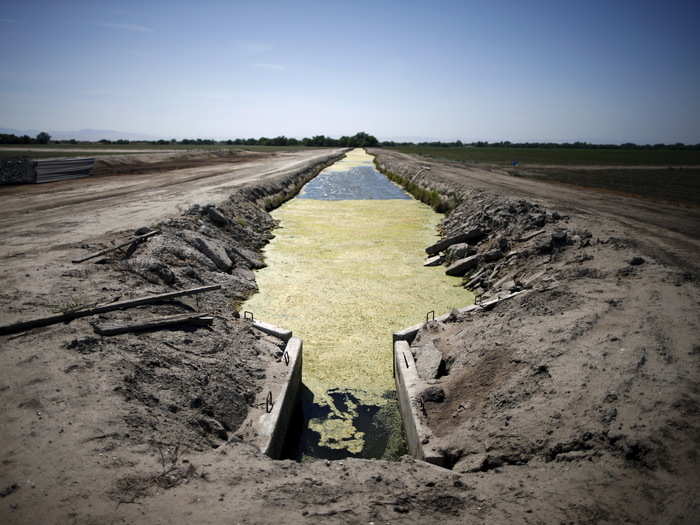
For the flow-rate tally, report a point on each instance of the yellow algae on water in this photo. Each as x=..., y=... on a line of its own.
x=344, y=275
x=352, y=159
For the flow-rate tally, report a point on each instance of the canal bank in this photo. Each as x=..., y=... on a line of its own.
x=344, y=271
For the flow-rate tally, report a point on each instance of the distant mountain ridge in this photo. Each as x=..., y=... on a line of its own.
x=82, y=134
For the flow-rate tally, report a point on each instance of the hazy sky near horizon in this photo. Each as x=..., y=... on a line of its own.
x=601, y=71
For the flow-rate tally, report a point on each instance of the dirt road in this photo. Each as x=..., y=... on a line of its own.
x=35, y=219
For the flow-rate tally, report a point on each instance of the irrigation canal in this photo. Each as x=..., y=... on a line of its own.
x=344, y=271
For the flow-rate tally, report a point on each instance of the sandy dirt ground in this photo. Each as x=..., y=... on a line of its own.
x=36, y=220
x=587, y=385
x=574, y=403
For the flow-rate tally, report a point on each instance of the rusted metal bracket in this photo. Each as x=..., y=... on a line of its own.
x=268, y=402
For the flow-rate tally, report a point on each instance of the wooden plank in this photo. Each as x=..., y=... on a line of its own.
x=476, y=278
x=159, y=323
x=531, y=235
x=101, y=308
x=435, y=260
x=138, y=238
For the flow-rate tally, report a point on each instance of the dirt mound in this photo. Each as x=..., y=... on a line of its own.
x=166, y=161
x=593, y=369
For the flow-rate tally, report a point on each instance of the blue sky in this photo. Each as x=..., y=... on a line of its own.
x=602, y=71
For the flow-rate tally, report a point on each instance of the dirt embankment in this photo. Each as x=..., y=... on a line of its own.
x=585, y=388
x=166, y=161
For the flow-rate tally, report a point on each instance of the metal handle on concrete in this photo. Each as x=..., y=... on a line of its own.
x=268, y=402
x=405, y=360
x=285, y=356
x=245, y=315
x=431, y=312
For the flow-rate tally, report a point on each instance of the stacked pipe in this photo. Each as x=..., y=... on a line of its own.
x=16, y=171
x=27, y=171
x=62, y=169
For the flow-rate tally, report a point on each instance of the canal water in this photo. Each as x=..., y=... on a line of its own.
x=344, y=271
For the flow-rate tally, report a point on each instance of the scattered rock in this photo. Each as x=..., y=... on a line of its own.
x=9, y=490
x=462, y=266
x=143, y=230
x=538, y=221
x=471, y=237
x=428, y=361
x=213, y=250
x=609, y=416
x=492, y=255
x=471, y=463
x=248, y=257
x=459, y=251
x=84, y=345
x=543, y=246
x=636, y=260
x=162, y=270
x=509, y=285
x=216, y=216
x=195, y=209
x=433, y=394
x=211, y=426
x=559, y=238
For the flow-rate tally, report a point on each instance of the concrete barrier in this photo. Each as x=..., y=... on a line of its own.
x=408, y=389
x=409, y=334
x=272, y=330
x=272, y=426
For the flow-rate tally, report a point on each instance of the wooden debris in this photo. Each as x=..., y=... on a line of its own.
x=495, y=271
x=476, y=278
x=493, y=302
x=469, y=237
x=531, y=235
x=137, y=239
x=434, y=261
x=200, y=319
x=101, y=308
x=527, y=282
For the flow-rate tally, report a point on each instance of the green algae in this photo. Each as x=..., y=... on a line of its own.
x=344, y=275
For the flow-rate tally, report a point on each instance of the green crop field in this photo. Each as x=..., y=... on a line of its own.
x=680, y=185
x=559, y=156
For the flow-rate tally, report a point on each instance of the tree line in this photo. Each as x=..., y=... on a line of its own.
x=541, y=145
x=9, y=138
x=358, y=140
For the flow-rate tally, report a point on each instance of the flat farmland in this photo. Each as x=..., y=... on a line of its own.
x=666, y=175
x=560, y=156
x=677, y=185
